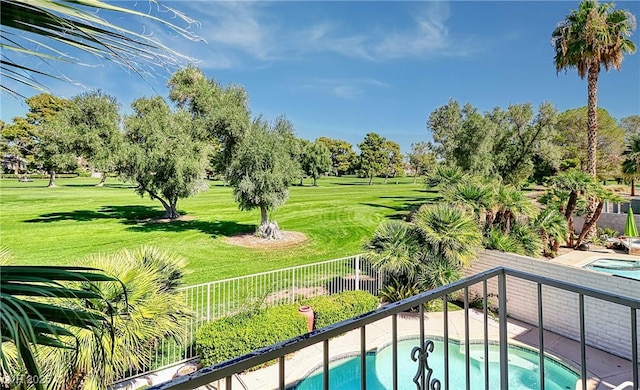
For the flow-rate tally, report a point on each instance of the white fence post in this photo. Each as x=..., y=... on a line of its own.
x=293, y=285
x=357, y=272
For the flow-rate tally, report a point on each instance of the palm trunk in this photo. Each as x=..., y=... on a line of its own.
x=52, y=178
x=592, y=118
x=590, y=224
x=592, y=132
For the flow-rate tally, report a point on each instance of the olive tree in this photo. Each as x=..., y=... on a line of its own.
x=262, y=170
x=163, y=154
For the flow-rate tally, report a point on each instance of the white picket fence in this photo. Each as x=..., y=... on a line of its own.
x=221, y=298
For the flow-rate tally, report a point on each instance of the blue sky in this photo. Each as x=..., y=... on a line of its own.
x=342, y=69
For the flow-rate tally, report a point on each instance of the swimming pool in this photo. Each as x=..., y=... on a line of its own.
x=344, y=374
x=618, y=267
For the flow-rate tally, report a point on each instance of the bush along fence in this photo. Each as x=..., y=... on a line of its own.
x=229, y=297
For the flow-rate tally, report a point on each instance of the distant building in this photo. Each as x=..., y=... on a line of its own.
x=13, y=164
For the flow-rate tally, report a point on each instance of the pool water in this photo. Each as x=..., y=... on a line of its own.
x=344, y=374
x=618, y=267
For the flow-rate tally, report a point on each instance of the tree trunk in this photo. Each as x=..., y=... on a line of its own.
x=633, y=186
x=52, y=178
x=16, y=166
x=489, y=220
x=371, y=179
x=589, y=224
x=315, y=181
x=103, y=178
x=264, y=216
x=169, y=207
x=385, y=178
x=415, y=177
x=301, y=181
x=507, y=222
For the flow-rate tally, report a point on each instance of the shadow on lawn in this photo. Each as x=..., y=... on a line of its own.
x=129, y=214
x=212, y=228
x=145, y=219
x=403, y=210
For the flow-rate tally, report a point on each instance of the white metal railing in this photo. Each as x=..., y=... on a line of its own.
x=221, y=298
x=420, y=353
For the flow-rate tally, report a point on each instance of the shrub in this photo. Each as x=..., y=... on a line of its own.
x=335, y=308
x=240, y=334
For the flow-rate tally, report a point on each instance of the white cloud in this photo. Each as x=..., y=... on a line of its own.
x=236, y=30
x=343, y=88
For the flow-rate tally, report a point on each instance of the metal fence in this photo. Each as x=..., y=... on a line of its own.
x=500, y=277
x=221, y=298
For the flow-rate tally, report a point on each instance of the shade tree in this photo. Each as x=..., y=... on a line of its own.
x=373, y=156
x=570, y=139
x=262, y=170
x=501, y=143
x=316, y=160
x=163, y=153
x=220, y=114
x=95, y=121
x=394, y=163
x=421, y=157
x=342, y=155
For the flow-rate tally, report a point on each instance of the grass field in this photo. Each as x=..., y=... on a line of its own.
x=62, y=225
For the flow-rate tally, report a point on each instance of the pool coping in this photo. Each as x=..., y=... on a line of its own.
x=605, y=371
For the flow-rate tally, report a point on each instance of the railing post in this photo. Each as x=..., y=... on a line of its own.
x=293, y=285
x=504, y=342
x=357, y=272
x=209, y=302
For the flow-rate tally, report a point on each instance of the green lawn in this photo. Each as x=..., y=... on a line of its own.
x=61, y=225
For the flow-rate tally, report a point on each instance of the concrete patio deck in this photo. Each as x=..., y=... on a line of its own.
x=605, y=371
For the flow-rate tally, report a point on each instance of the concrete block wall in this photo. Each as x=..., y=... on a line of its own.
x=607, y=325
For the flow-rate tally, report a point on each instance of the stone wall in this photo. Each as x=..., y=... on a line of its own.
x=607, y=325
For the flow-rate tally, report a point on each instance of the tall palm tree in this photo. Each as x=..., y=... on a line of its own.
x=45, y=29
x=631, y=163
x=592, y=36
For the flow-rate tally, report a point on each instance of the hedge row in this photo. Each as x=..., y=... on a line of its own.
x=240, y=334
x=335, y=308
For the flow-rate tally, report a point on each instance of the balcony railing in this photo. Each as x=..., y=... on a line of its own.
x=425, y=379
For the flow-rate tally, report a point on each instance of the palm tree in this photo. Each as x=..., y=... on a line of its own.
x=472, y=194
x=395, y=249
x=151, y=312
x=510, y=204
x=631, y=163
x=449, y=233
x=553, y=229
x=578, y=184
x=43, y=28
x=593, y=35
x=33, y=316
